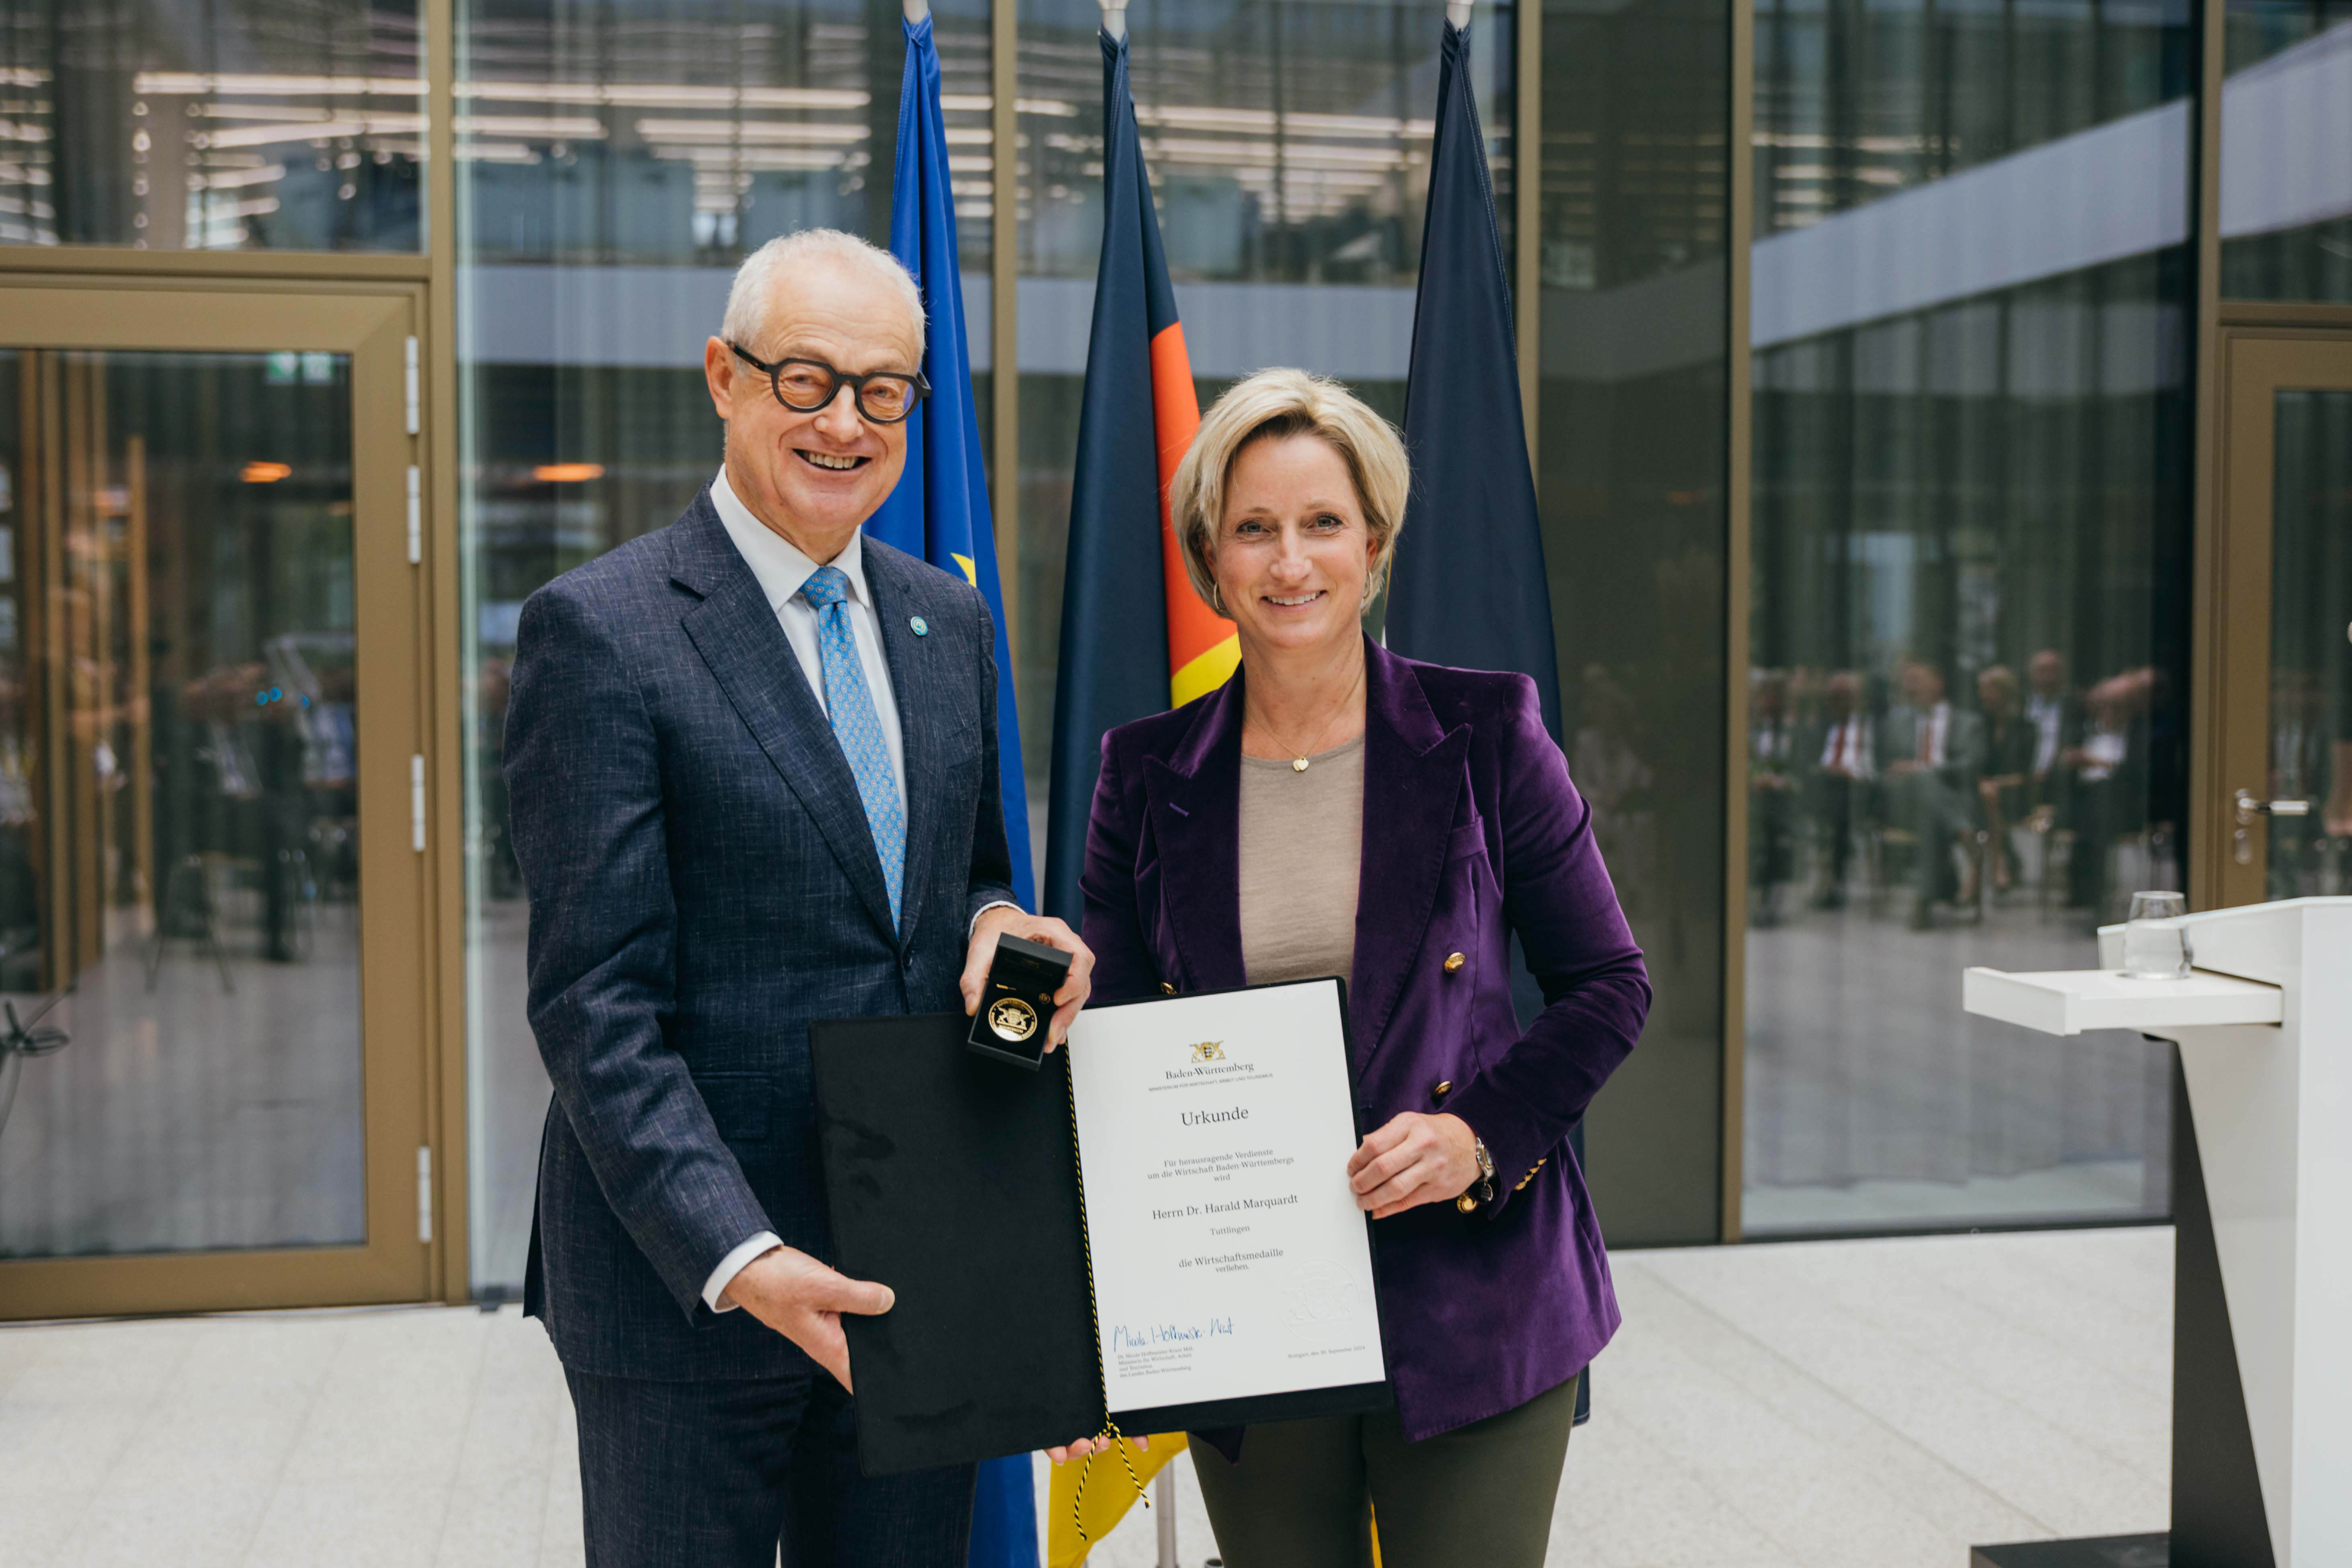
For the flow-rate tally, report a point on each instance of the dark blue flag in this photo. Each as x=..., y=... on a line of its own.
x=939, y=512
x=1468, y=588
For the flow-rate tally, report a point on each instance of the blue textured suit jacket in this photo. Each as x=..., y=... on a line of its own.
x=703, y=884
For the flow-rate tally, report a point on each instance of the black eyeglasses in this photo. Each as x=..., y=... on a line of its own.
x=805, y=386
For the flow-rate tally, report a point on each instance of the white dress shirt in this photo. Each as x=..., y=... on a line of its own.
x=1848, y=747
x=781, y=568
x=1933, y=724
x=2047, y=716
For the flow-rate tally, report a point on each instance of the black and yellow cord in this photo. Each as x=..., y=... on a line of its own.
x=1085, y=1247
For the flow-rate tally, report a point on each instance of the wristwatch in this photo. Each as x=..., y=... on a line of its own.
x=1486, y=1194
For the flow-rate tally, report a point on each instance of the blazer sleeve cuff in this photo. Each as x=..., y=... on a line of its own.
x=1519, y=1141
x=972, y=925
x=982, y=897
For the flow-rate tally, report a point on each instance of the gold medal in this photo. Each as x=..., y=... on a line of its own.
x=1012, y=1019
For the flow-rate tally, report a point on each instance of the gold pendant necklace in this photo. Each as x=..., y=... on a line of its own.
x=1299, y=762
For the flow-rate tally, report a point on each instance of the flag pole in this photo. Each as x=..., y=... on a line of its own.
x=1113, y=22
x=1457, y=13
x=914, y=11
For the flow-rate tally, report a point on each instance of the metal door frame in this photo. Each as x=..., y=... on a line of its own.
x=378, y=324
x=2232, y=702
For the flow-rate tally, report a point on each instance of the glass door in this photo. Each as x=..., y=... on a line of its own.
x=212, y=970
x=2280, y=795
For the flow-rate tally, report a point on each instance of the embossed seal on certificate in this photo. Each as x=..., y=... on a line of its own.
x=1012, y=1019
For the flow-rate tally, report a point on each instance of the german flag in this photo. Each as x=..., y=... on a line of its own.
x=1202, y=647
x=1135, y=637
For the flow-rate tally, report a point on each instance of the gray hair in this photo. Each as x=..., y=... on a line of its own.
x=747, y=297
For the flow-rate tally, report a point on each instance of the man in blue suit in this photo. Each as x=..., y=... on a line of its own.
x=752, y=762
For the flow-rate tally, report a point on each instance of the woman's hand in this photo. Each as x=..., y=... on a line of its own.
x=1414, y=1160
x=1085, y=1446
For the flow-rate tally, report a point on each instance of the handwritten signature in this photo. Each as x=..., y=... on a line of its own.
x=1128, y=1336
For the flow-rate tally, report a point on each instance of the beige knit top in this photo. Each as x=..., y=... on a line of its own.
x=1302, y=841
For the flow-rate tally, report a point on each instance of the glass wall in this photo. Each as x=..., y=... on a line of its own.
x=1969, y=570
x=179, y=810
x=614, y=162
x=1632, y=419
x=1970, y=411
x=1968, y=567
x=2286, y=178
x=212, y=124
x=1288, y=148
x=2311, y=670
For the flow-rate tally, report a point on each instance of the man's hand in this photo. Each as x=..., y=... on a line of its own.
x=803, y=1300
x=1414, y=1160
x=1005, y=920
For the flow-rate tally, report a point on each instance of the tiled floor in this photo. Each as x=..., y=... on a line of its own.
x=1878, y=1403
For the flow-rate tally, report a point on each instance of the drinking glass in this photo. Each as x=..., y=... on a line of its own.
x=2156, y=942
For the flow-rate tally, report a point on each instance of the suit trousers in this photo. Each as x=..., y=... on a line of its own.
x=1303, y=1492
x=720, y=1475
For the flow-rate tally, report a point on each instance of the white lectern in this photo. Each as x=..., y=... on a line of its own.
x=2261, y=1198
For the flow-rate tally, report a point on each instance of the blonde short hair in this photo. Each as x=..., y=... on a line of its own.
x=1272, y=405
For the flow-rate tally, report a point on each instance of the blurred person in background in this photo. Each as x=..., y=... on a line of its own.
x=2107, y=784
x=2010, y=739
x=1772, y=782
x=2056, y=715
x=1931, y=755
x=1843, y=778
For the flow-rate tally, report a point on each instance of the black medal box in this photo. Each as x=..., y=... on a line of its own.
x=1018, y=1004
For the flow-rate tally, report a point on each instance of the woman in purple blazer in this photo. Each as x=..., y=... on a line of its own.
x=1334, y=809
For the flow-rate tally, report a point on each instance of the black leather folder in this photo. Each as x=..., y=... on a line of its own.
x=948, y=1178
x=953, y=1179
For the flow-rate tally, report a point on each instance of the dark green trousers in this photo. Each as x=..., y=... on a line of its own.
x=1304, y=1492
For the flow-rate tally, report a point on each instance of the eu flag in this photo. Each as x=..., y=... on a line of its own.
x=939, y=510
x=1468, y=588
x=1136, y=640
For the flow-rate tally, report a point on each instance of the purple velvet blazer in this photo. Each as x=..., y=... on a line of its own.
x=1472, y=832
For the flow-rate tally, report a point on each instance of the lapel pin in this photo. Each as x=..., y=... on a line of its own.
x=922, y=627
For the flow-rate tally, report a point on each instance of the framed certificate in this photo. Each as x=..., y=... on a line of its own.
x=1156, y=1229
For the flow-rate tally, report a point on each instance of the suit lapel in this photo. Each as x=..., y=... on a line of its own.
x=1195, y=807
x=915, y=689
x=1413, y=777
x=734, y=628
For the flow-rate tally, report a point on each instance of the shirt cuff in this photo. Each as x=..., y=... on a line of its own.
x=715, y=1287
x=997, y=904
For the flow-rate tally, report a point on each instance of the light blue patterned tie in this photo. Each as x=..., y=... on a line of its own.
x=854, y=726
